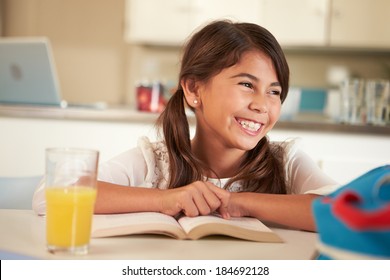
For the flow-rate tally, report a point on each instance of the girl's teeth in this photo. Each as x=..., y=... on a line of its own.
x=250, y=125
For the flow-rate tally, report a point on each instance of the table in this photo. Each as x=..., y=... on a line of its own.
x=23, y=232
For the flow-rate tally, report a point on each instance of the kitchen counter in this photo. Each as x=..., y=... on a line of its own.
x=307, y=121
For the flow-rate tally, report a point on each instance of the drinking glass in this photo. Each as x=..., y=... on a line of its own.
x=352, y=101
x=377, y=101
x=70, y=190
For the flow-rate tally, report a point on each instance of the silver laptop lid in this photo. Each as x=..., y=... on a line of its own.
x=27, y=72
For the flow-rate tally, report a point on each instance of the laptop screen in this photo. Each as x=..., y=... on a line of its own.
x=27, y=72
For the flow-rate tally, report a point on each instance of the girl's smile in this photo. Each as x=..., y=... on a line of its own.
x=249, y=126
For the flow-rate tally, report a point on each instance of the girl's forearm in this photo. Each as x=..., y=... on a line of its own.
x=289, y=210
x=113, y=198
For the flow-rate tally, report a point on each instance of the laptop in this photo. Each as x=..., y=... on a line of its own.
x=27, y=73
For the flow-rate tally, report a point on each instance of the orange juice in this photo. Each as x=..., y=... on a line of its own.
x=69, y=216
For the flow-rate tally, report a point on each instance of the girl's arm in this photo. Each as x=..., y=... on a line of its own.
x=198, y=198
x=292, y=210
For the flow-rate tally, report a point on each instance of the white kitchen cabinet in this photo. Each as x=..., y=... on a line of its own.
x=208, y=10
x=157, y=22
x=302, y=23
x=297, y=22
x=23, y=141
x=170, y=22
x=360, y=23
x=335, y=23
x=345, y=169
x=342, y=156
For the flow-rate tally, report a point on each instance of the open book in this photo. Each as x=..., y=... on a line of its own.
x=181, y=228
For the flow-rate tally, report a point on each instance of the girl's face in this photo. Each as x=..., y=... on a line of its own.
x=238, y=106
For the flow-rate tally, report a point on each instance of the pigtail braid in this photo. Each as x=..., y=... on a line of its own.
x=183, y=167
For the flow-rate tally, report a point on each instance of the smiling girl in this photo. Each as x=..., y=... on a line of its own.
x=234, y=77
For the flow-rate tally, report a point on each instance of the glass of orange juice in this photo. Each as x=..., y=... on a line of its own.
x=70, y=190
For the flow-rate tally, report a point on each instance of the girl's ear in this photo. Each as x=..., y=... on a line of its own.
x=191, y=92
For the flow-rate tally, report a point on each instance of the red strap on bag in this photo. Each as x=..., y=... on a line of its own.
x=344, y=207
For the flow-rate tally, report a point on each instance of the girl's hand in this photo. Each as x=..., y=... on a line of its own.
x=238, y=204
x=198, y=198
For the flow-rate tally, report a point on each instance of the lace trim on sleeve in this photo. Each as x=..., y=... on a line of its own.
x=157, y=162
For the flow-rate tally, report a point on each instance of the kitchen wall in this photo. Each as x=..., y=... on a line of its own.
x=309, y=68
x=87, y=42
x=1, y=17
x=95, y=64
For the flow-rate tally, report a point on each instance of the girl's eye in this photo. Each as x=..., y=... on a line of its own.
x=246, y=84
x=275, y=92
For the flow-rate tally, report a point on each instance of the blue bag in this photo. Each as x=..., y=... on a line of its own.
x=354, y=221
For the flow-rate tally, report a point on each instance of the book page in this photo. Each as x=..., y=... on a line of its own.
x=135, y=223
x=239, y=227
x=188, y=223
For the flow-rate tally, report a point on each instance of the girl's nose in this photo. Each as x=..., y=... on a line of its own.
x=259, y=103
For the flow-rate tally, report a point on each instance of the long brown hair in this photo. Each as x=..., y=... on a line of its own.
x=216, y=46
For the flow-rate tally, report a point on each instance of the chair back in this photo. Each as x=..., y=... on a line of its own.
x=17, y=192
